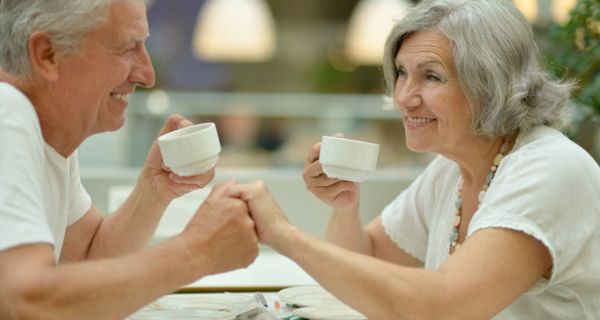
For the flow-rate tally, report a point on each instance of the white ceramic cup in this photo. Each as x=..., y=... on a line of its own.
x=348, y=159
x=191, y=150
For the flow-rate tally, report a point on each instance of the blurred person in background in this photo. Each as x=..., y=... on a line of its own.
x=504, y=223
x=67, y=68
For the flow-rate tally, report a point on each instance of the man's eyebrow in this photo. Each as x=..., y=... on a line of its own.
x=139, y=38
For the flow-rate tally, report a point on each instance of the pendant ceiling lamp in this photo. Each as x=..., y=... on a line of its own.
x=529, y=8
x=558, y=10
x=561, y=10
x=234, y=31
x=370, y=24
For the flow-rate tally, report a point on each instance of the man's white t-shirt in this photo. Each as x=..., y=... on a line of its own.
x=547, y=187
x=40, y=191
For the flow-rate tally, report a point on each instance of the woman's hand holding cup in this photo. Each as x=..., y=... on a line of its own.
x=334, y=167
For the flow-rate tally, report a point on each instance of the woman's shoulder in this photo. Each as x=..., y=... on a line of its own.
x=546, y=172
x=549, y=150
x=547, y=141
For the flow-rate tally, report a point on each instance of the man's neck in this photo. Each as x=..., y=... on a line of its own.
x=55, y=131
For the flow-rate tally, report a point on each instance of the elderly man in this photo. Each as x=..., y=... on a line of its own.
x=67, y=68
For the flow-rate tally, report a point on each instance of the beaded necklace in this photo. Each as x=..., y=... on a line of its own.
x=456, y=222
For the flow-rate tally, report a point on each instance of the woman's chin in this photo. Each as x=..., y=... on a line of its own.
x=417, y=147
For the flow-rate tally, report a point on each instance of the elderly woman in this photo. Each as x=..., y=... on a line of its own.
x=504, y=223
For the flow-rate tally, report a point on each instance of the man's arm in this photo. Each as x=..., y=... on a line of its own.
x=220, y=237
x=100, y=289
x=7, y=308
x=131, y=227
x=126, y=230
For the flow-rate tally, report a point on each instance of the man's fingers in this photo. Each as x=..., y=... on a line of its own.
x=220, y=190
x=248, y=191
x=199, y=180
x=236, y=191
x=174, y=122
x=184, y=123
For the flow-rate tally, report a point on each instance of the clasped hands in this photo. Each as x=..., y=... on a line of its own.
x=224, y=232
x=269, y=219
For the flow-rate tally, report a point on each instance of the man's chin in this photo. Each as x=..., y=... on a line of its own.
x=113, y=126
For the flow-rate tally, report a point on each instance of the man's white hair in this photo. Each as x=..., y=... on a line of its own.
x=66, y=22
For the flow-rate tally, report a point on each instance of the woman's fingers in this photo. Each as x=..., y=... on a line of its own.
x=313, y=154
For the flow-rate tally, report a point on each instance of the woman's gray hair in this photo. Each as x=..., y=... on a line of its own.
x=496, y=60
x=66, y=21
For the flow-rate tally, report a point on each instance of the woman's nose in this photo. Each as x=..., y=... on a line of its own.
x=407, y=95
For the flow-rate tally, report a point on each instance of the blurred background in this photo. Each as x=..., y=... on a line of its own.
x=276, y=75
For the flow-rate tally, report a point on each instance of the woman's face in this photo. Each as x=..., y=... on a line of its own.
x=436, y=113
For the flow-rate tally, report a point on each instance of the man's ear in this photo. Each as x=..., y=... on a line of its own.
x=43, y=56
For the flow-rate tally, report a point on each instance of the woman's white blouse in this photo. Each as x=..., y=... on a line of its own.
x=547, y=187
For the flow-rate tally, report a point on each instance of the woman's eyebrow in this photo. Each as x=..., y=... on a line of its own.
x=422, y=64
x=427, y=63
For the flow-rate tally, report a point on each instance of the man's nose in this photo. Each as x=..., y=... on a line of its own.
x=142, y=72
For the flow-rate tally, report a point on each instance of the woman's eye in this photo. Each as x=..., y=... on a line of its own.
x=401, y=72
x=433, y=77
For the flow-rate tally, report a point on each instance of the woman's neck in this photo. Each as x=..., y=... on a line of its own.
x=476, y=159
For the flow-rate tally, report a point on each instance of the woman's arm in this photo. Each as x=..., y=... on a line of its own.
x=345, y=227
x=384, y=248
x=345, y=230
x=492, y=269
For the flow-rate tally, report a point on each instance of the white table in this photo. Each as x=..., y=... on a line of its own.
x=269, y=272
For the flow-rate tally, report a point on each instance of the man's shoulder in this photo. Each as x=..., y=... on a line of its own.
x=17, y=114
x=14, y=104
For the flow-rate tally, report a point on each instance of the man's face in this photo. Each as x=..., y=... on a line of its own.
x=101, y=75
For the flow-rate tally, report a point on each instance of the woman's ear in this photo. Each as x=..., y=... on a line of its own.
x=43, y=56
